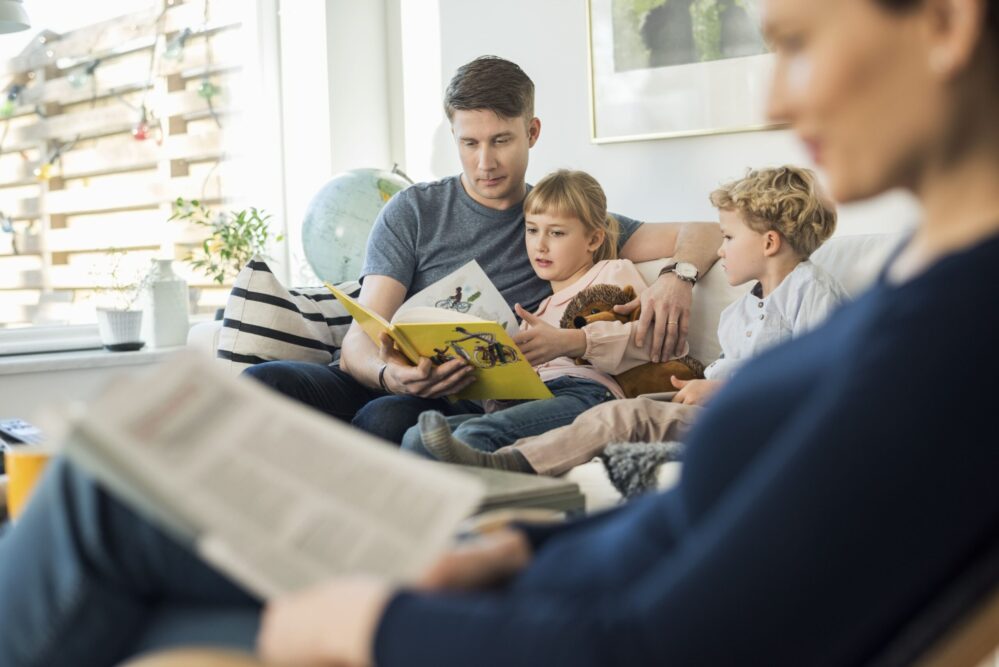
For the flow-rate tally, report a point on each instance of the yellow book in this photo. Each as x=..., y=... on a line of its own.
x=501, y=371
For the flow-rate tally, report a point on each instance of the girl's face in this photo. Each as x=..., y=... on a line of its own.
x=856, y=83
x=742, y=249
x=560, y=247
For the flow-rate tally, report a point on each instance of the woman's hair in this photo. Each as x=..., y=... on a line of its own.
x=493, y=83
x=991, y=11
x=576, y=194
x=782, y=199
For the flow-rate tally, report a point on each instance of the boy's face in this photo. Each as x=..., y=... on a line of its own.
x=742, y=249
x=493, y=152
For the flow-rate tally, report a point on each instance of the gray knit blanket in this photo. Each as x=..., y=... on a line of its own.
x=633, y=466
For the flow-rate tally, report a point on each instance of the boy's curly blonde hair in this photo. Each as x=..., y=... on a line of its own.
x=784, y=199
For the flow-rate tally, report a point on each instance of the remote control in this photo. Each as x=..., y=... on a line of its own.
x=18, y=431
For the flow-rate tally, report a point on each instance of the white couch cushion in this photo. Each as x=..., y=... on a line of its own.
x=855, y=260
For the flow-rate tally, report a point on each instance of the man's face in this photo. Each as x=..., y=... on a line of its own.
x=494, y=152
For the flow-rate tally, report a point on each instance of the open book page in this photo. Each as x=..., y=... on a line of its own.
x=425, y=314
x=467, y=291
x=273, y=493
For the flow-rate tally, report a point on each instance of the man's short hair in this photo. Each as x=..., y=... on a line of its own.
x=493, y=83
x=783, y=199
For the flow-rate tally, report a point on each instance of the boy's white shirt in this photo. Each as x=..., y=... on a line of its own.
x=752, y=324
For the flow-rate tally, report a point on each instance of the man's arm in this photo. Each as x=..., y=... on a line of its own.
x=364, y=360
x=666, y=303
x=694, y=242
x=358, y=354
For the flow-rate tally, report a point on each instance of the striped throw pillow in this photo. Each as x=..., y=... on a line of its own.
x=266, y=321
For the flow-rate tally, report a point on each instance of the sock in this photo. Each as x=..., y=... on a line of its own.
x=445, y=447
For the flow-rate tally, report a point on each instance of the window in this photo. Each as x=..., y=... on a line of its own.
x=110, y=111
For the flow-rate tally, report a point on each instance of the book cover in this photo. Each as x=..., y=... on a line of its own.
x=442, y=334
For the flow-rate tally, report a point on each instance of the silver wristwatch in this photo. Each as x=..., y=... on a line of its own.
x=685, y=271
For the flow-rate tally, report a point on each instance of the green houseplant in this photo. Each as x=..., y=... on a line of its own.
x=234, y=238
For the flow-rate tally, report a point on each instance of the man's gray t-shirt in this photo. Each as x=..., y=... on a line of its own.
x=430, y=230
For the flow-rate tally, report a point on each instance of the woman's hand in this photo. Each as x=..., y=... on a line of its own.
x=542, y=342
x=480, y=562
x=666, y=310
x=332, y=624
x=694, y=392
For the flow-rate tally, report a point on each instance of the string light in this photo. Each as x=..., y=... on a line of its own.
x=175, y=47
x=43, y=172
x=10, y=101
x=82, y=75
x=141, y=130
x=207, y=89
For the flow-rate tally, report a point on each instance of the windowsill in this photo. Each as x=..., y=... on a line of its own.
x=81, y=360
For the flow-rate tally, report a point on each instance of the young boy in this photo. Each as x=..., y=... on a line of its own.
x=772, y=220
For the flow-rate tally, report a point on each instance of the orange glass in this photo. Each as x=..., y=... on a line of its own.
x=24, y=465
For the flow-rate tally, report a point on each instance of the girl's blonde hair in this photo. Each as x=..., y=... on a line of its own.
x=576, y=194
x=785, y=199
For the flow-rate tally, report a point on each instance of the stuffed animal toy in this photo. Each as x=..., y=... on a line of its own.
x=596, y=304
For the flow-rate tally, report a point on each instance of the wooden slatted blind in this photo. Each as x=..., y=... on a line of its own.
x=74, y=181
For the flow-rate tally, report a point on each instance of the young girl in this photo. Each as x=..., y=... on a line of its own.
x=572, y=243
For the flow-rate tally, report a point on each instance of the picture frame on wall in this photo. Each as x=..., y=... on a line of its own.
x=676, y=68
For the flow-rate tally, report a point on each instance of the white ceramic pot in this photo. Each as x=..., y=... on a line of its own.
x=120, y=330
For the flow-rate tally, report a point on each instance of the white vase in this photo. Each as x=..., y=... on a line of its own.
x=120, y=330
x=169, y=305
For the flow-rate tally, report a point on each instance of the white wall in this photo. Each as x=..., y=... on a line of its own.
x=335, y=101
x=667, y=179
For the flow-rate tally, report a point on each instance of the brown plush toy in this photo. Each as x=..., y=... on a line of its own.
x=596, y=304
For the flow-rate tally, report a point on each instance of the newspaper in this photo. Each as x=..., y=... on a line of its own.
x=273, y=493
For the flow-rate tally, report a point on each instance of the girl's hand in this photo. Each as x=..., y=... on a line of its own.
x=694, y=392
x=330, y=624
x=542, y=342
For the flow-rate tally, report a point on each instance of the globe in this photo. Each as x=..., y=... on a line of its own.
x=339, y=218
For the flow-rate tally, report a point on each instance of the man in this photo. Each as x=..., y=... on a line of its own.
x=431, y=229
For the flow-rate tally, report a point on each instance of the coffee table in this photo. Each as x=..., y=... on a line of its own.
x=515, y=489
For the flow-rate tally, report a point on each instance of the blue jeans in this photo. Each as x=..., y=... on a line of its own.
x=487, y=433
x=86, y=582
x=335, y=392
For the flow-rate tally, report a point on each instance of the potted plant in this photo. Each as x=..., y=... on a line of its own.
x=119, y=321
x=234, y=237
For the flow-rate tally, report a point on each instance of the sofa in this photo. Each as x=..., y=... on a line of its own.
x=853, y=259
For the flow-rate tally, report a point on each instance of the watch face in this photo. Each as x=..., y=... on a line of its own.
x=685, y=270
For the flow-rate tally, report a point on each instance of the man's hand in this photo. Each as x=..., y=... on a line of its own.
x=666, y=309
x=424, y=380
x=543, y=342
x=694, y=392
x=481, y=562
x=331, y=624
